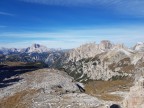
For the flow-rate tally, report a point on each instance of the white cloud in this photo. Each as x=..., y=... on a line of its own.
x=6, y=14
x=74, y=38
x=1, y=26
x=128, y=7
x=48, y=43
x=74, y=2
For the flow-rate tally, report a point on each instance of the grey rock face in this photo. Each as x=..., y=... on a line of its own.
x=105, y=45
x=37, y=48
x=53, y=89
x=135, y=98
x=89, y=50
x=71, y=100
x=116, y=62
x=139, y=47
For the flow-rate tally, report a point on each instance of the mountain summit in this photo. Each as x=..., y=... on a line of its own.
x=139, y=46
x=105, y=45
x=37, y=48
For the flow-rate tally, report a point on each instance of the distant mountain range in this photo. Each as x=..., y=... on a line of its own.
x=102, y=61
x=105, y=45
x=34, y=53
x=35, y=48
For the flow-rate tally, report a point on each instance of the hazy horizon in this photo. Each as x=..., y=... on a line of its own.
x=26, y=46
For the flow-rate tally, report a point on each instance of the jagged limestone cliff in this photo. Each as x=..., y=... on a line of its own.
x=102, y=61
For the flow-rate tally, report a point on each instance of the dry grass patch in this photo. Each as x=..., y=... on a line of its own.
x=102, y=89
x=128, y=69
x=110, y=97
x=19, y=100
x=124, y=64
x=36, y=76
x=15, y=63
x=112, y=66
x=140, y=65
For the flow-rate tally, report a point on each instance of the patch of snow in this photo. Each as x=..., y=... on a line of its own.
x=125, y=52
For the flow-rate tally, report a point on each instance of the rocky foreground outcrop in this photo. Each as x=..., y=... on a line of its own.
x=135, y=98
x=49, y=88
x=45, y=88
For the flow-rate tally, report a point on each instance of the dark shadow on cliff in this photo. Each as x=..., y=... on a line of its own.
x=80, y=88
x=115, y=106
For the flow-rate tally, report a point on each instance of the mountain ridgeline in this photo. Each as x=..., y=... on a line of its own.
x=104, y=61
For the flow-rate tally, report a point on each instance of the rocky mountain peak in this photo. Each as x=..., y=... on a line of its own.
x=140, y=43
x=37, y=48
x=36, y=45
x=84, y=51
x=135, y=98
x=139, y=46
x=105, y=45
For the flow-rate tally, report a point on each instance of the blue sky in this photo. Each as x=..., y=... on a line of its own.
x=70, y=23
